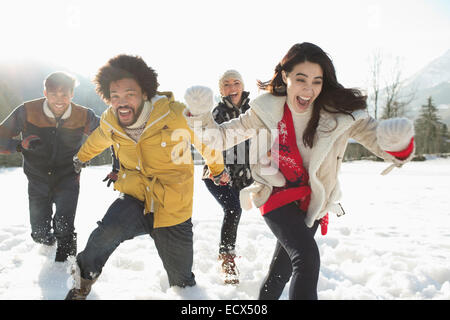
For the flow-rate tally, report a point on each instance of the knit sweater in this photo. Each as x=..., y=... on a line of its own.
x=290, y=163
x=135, y=130
x=300, y=122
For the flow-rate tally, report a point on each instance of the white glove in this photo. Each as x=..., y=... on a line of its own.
x=245, y=195
x=78, y=164
x=395, y=134
x=199, y=99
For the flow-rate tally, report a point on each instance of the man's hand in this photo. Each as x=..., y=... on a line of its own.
x=78, y=164
x=199, y=100
x=111, y=178
x=29, y=143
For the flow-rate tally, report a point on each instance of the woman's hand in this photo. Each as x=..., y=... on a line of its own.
x=395, y=134
x=222, y=179
x=199, y=100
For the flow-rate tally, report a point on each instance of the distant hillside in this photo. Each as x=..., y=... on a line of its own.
x=432, y=80
x=433, y=74
x=25, y=80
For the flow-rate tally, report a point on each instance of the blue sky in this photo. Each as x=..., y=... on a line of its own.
x=193, y=42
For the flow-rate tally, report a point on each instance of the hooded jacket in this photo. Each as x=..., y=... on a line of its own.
x=332, y=136
x=158, y=168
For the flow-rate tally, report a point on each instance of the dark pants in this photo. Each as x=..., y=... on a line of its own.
x=63, y=193
x=296, y=254
x=228, y=198
x=125, y=220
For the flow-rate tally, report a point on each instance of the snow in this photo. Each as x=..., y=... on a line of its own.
x=393, y=242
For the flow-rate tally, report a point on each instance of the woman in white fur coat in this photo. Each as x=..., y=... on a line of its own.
x=309, y=118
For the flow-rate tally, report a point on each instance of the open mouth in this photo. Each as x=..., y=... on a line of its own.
x=303, y=101
x=125, y=113
x=234, y=97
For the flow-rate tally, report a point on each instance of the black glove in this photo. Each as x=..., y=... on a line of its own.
x=78, y=164
x=111, y=177
x=29, y=143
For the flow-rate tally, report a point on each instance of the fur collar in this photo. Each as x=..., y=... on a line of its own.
x=270, y=108
x=48, y=112
x=244, y=99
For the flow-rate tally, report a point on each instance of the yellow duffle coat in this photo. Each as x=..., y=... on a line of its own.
x=158, y=168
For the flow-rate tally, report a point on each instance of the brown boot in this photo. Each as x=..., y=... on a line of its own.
x=229, y=268
x=82, y=286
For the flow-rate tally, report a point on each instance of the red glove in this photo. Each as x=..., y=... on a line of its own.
x=30, y=143
x=111, y=177
x=324, y=224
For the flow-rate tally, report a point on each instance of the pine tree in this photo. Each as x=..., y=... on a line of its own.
x=445, y=144
x=430, y=131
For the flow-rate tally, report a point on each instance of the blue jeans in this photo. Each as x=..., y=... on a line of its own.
x=228, y=198
x=296, y=254
x=125, y=220
x=62, y=192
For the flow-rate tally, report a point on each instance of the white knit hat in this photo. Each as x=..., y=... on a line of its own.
x=230, y=74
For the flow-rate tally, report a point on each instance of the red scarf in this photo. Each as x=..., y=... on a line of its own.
x=285, y=152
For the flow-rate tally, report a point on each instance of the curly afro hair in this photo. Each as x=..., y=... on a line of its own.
x=125, y=66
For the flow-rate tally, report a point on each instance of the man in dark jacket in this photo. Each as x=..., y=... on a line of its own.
x=51, y=129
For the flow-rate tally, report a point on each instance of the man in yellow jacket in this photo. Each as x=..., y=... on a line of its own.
x=152, y=141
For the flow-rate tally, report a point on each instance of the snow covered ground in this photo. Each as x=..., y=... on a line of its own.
x=393, y=243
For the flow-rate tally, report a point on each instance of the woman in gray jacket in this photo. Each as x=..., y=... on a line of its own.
x=308, y=117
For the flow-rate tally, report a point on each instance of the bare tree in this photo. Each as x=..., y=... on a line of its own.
x=375, y=72
x=395, y=100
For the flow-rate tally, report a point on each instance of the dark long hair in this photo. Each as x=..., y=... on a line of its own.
x=333, y=98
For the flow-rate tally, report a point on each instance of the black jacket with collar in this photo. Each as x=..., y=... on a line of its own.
x=240, y=173
x=60, y=138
